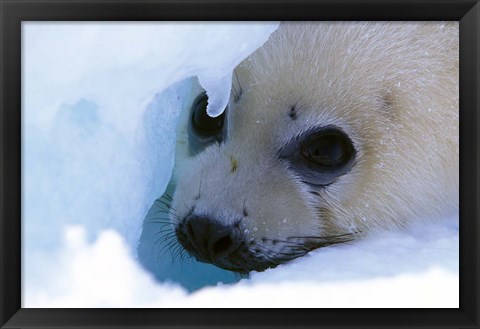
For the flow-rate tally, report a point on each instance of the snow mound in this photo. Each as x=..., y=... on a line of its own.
x=416, y=268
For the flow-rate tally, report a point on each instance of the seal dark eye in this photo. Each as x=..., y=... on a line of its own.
x=328, y=150
x=204, y=130
x=320, y=156
x=202, y=123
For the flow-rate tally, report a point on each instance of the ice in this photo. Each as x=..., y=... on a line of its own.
x=218, y=92
x=99, y=108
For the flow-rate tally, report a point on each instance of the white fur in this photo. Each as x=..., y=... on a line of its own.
x=392, y=87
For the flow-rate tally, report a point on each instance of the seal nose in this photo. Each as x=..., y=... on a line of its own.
x=211, y=239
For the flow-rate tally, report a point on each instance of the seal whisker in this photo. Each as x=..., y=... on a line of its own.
x=267, y=257
x=324, y=237
x=166, y=218
x=165, y=236
x=167, y=196
x=167, y=212
x=164, y=233
x=165, y=204
x=285, y=242
x=164, y=229
x=163, y=219
x=175, y=253
x=271, y=251
x=273, y=262
x=163, y=241
x=237, y=93
x=163, y=248
x=157, y=221
x=179, y=254
x=238, y=276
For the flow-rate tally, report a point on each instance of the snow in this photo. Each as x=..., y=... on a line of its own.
x=415, y=268
x=99, y=109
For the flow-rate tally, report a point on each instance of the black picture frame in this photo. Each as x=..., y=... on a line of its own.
x=13, y=12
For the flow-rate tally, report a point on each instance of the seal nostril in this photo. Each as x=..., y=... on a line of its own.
x=222, y=245
x=208, y=239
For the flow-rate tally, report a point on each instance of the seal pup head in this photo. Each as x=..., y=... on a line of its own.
x=332, y=129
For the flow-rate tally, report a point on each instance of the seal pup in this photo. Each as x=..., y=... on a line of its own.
x=333, y=129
